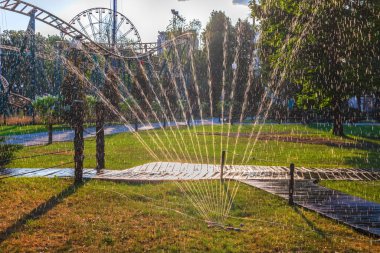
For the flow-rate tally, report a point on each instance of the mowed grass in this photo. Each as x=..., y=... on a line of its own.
x=109, y=217
x=366, y=190
x=204, y=145
x=27, y=129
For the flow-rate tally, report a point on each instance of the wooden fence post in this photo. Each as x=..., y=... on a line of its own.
x=291, y=185
x=222, y=166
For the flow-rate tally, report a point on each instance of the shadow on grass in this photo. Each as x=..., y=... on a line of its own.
x=365, y=131
x=369, y=161
x=39, y=211
x=227, y=191
x=310, y=223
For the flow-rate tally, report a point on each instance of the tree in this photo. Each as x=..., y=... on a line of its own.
x=213, y=39
x=4, y=107
x=110, y=93
x=91, y=102
x=246, y=52
x=47, y=107
x=331, y=50
x=18, y=68
x=73, y=99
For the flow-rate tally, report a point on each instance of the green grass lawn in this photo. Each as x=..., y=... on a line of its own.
x=366, y=190
x=109, y=217
x=28, y=129
x=125, y=150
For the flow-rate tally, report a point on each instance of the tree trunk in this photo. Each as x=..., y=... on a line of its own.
x=50, y=133
x=33, y=118
x=78, y=141
x=136, y=125
x=359, y=100
x=5, y=119
x=337, y=118
x=100, y=143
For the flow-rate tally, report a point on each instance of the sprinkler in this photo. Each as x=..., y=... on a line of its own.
x=211, y=224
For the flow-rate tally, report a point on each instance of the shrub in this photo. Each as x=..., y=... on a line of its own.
x=7, y=152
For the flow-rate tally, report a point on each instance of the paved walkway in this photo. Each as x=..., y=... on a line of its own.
x=355, y=212
x=41, y=138
x=163, y=171
x=185, y=171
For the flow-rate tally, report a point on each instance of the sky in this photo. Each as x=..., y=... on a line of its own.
x=149, y=16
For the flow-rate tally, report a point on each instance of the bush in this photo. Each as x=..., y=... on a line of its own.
x=7, y=152
x=47, y=107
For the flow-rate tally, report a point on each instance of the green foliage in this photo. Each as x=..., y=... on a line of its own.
x=47, y=107
x=226, y=45
x=7, y=152
x=326, y=50
x=127, y=107
x=214, y=34
x=90, y=107
x=17, y=67
x=73, y=87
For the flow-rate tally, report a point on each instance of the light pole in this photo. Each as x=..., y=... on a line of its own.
x=114, y=24
x=176, y=17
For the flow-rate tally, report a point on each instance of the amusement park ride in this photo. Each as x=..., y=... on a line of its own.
x=101, y=30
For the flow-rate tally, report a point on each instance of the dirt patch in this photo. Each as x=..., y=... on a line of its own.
x=21, y=120
x=287, y=137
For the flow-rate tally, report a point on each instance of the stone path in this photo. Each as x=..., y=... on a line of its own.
x=184, y=171
x=355, y=212
x=163, y=171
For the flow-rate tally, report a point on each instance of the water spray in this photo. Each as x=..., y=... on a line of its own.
x=212, y=224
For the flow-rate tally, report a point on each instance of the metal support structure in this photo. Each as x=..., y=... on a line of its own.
x=291, y=185
x=33, y=61
x=114, y=26
x=3, y=99
x=222, y=164
x=1, y=72
x=31, y=33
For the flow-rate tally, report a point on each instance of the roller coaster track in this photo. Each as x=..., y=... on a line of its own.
x=50, y=19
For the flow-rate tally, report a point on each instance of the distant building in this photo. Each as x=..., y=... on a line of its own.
x=366, y=104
